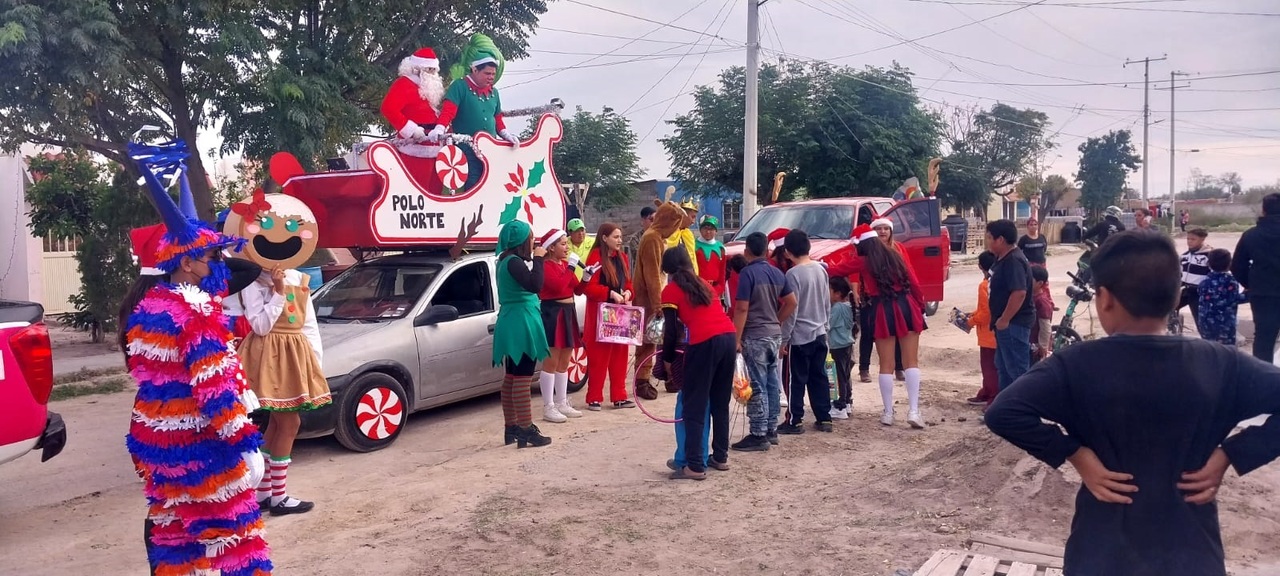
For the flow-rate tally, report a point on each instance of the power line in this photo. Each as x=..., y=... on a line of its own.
x=542, y=28
x=670, y=24
x=1010, y=40
x=940, y=32
x=682, y=57
x=580, y=66
x=1033, y=14
x=1100, y=6
x=689, y=78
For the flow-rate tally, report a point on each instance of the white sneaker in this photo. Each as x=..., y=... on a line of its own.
x=840, y=413
x=915, y=420
x=886, y=417
x=568, y=410
x=550, y=414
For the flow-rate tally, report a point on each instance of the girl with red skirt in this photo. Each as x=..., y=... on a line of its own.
x=560, y=319
x=606, y=279
x=891, y=293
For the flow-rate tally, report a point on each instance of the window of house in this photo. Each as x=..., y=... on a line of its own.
x=732, y=215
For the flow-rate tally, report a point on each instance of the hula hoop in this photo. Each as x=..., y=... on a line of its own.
x=640, y=405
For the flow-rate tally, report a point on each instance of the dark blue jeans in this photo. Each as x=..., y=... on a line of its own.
x=1013, y=353
x=809, y=372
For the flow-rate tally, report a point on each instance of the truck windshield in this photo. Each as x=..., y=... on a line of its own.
x=375, y=291
x=834, y=222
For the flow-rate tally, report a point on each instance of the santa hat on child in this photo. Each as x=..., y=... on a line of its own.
x=550, y=238
x=862, y=232
x=145, y=246
x=423, y=58
x=776, y=237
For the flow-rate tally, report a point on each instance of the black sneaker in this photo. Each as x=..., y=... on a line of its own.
x=823, y=427
x=751, y=443
x=791, y=429
x=772, y=437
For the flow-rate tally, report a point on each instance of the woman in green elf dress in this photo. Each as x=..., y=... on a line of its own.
x=519, y=339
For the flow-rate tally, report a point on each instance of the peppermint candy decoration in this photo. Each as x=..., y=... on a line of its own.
x=451, y=167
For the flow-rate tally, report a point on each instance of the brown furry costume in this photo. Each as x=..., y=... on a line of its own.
x=646, y=280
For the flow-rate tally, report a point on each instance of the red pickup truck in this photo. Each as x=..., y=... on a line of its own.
x=829, y=222
x=26, y=380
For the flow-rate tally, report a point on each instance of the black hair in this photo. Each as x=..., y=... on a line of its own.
x=137, y=291
x=1003, y=229
x=1271, y=204
x=647, y=211
x=757, y=244
x=796, y=243
x=1142, y=270
x=1219, y=259
x=678, y=267
x=885, y=265
x=986, y=260
x=736, y=263
x=487, y=65
x=1200, y=232
x=1039, y=274
x=840, y=285
x=524, y=250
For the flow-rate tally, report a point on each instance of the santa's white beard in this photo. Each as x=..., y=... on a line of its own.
x=431, y=88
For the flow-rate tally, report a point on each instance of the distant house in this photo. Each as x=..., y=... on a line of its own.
x=726, y=208
x=35, y=269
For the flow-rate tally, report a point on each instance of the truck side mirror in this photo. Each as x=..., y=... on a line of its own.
x=436, y=314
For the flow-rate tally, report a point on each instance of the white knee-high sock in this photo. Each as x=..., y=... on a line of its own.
x=562, y=388
x=886, y=391
x=913, y=388
x=547, y=381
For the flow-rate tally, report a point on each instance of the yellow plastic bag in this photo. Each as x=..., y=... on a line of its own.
x=741, y=382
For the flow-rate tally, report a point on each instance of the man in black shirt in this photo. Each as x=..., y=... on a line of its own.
x=1150, y=437
x=1012, y=310
x=1033, y=245
x=1256, y=265
x=1109, y=225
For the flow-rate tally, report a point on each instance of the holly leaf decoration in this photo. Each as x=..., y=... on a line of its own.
x=536, y=173
x=510, y=211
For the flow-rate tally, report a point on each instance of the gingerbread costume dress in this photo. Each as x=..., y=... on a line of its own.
x=281, y=357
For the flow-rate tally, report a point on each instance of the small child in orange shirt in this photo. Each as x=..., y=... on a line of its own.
x=981, y=319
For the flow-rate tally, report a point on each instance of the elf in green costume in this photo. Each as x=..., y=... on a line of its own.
x=471, y=104
x=519, y=339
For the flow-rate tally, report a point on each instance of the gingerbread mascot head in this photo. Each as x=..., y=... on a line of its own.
x=280, y=231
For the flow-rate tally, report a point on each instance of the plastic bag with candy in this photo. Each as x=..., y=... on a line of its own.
x=741, y=382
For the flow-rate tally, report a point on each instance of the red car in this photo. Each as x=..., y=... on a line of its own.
x=829, y=222
x=26, y=379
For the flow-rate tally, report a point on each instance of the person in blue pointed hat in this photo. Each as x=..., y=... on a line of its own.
x=190, y=436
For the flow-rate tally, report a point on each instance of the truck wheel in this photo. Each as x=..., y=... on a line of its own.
x=371, y=413
x=577, y=369
x=930, y=308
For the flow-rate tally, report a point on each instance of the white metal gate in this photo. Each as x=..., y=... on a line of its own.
x=60, y=274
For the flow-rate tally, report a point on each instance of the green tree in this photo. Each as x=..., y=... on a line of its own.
x=961, y=185
x=72, y=198
x=295, y=75
x=998, y=147
x=598, y=150
x=1105, y=163
x=836, y=131
x=1052, y=189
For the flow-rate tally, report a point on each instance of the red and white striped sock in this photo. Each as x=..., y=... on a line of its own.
x=264, y=486
x=279, y=473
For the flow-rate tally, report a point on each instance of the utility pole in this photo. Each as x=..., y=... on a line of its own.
x=1146, y=116
x=1173, y=150
x=749, y=150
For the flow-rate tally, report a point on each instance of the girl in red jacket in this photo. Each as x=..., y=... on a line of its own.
x=560, y=319
x=607, y=279
x=891, y=291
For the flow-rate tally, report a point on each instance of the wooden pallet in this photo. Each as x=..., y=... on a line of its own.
x=991, y=555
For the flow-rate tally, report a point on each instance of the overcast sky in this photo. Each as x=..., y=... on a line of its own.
x=1234, y=122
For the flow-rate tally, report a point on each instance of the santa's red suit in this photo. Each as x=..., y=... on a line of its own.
x=412, y=116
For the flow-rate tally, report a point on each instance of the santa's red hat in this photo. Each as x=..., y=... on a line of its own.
x=424, y=58
x=862, y=232
x=550, y=238
x=776, y=237
x=145, y=245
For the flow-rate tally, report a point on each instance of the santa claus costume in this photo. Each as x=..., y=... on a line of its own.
x=190, y=435
x=411, y=106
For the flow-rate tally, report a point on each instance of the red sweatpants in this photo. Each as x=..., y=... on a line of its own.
x=607, y=360
x=990, y=376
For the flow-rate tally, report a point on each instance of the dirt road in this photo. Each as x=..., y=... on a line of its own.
x=449, y=498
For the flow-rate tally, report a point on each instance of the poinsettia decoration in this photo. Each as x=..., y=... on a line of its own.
x=521, y=185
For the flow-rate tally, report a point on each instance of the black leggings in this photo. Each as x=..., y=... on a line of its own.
x=708, y=368
x=867, y=322
x=523, y=368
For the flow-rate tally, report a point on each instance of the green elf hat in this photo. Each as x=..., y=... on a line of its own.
x=514, y=233
x=479, y=50
x=709, y=221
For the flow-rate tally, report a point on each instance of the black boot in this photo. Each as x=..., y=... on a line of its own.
x=531, y=436
x=511, y=435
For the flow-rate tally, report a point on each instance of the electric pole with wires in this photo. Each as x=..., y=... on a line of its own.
x=749, y=149
x=1146, y=117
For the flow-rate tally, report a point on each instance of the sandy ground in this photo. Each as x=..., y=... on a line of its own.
x=449, y=498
